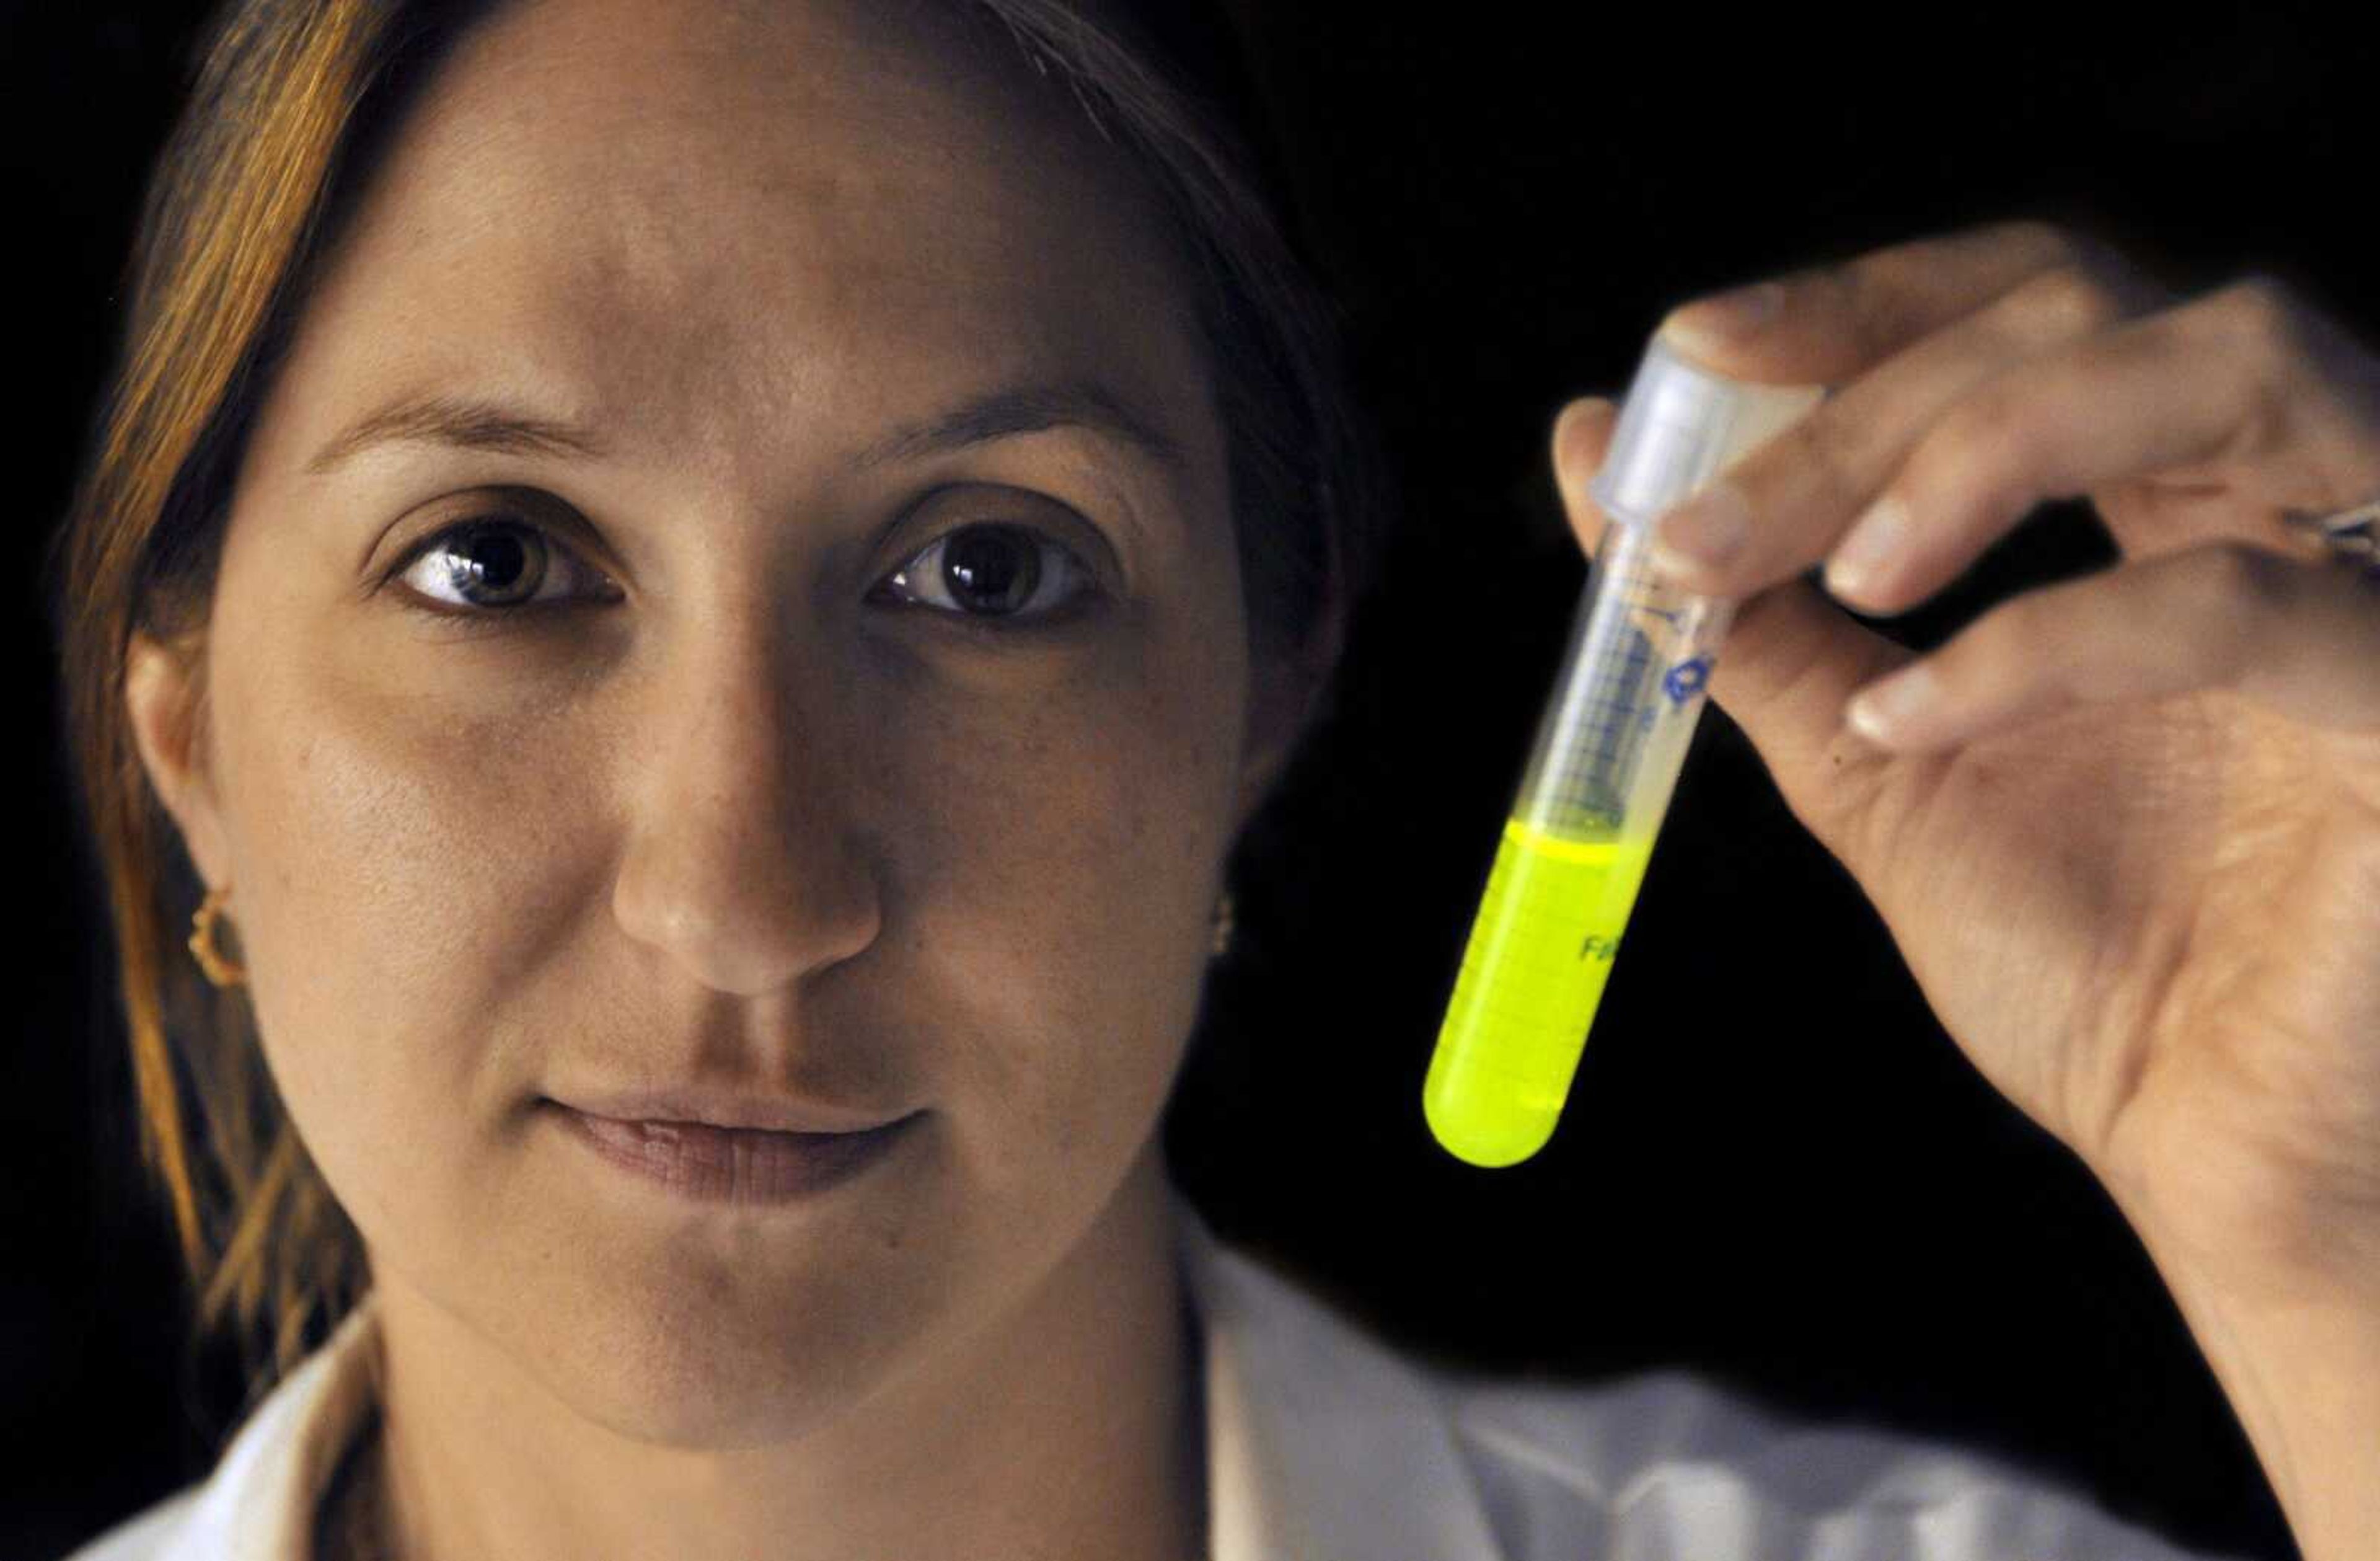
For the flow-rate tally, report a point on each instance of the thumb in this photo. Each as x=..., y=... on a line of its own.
x=1790, y=661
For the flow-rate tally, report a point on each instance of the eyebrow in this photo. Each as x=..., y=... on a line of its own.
x=476, y=423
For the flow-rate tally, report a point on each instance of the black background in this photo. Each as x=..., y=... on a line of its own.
x=1775, y=1167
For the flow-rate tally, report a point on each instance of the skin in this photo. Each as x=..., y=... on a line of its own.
x=728, y=813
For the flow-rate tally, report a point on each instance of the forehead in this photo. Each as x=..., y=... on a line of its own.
x=718, y=224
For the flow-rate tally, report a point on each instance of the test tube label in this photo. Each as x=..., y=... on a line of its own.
x=1686, y=679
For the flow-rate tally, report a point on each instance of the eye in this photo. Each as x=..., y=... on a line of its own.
x=489, y=565
x=997, y=577
x=992, y=575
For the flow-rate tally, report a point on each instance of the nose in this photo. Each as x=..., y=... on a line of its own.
x=743, y=861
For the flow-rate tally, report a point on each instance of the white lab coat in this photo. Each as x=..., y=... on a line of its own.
x=1325, y=1445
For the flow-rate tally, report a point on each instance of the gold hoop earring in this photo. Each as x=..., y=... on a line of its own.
x=1222, y=940
x=220, y=970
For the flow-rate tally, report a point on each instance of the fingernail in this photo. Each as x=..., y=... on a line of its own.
x=1874, y=543
x=1891, y=710
x=1705, y=532
x=1727, y=316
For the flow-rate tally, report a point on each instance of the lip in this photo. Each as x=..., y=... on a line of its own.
x=710, y=1164
x=720, y=1108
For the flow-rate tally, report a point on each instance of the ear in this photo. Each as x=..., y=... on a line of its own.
x=1283, y=692
x=164, y=697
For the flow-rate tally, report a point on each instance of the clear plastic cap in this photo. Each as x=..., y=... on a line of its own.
x=1679, y=426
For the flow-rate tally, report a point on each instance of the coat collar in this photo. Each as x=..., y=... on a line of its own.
x=1322, y=1443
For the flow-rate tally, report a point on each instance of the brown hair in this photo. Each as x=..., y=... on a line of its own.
x=291, y=106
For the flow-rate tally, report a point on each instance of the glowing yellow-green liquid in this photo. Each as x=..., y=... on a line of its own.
x=1532, y=978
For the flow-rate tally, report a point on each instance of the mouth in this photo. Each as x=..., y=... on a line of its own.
x=709, y=1163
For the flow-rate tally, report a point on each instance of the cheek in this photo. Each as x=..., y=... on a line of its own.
x=1070, y=889
x=401, y=864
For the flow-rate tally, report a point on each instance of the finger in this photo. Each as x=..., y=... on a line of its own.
x=1582, y=438
x=1829, y=323
x=2300, y=639
x=1800, y=492
x=2215, y=384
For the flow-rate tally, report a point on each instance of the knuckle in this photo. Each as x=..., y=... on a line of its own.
x=2069, y=300
x=2057, y=243
x=2091, y=250
x=1822, y=453
x=2259, y=319
x=2262, y=309
x=1878, y=299
x=2122, y=286
x=2234, y=574
x=1987, y=430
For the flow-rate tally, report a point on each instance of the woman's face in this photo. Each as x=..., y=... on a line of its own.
x=754, y=787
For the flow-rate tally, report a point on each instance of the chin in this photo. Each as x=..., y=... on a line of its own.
x=716, y=1371
x=716, y=1329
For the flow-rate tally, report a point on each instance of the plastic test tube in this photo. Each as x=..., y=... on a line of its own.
x=1605, y=762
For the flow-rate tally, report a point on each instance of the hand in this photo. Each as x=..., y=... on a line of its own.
x=2130, y=849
